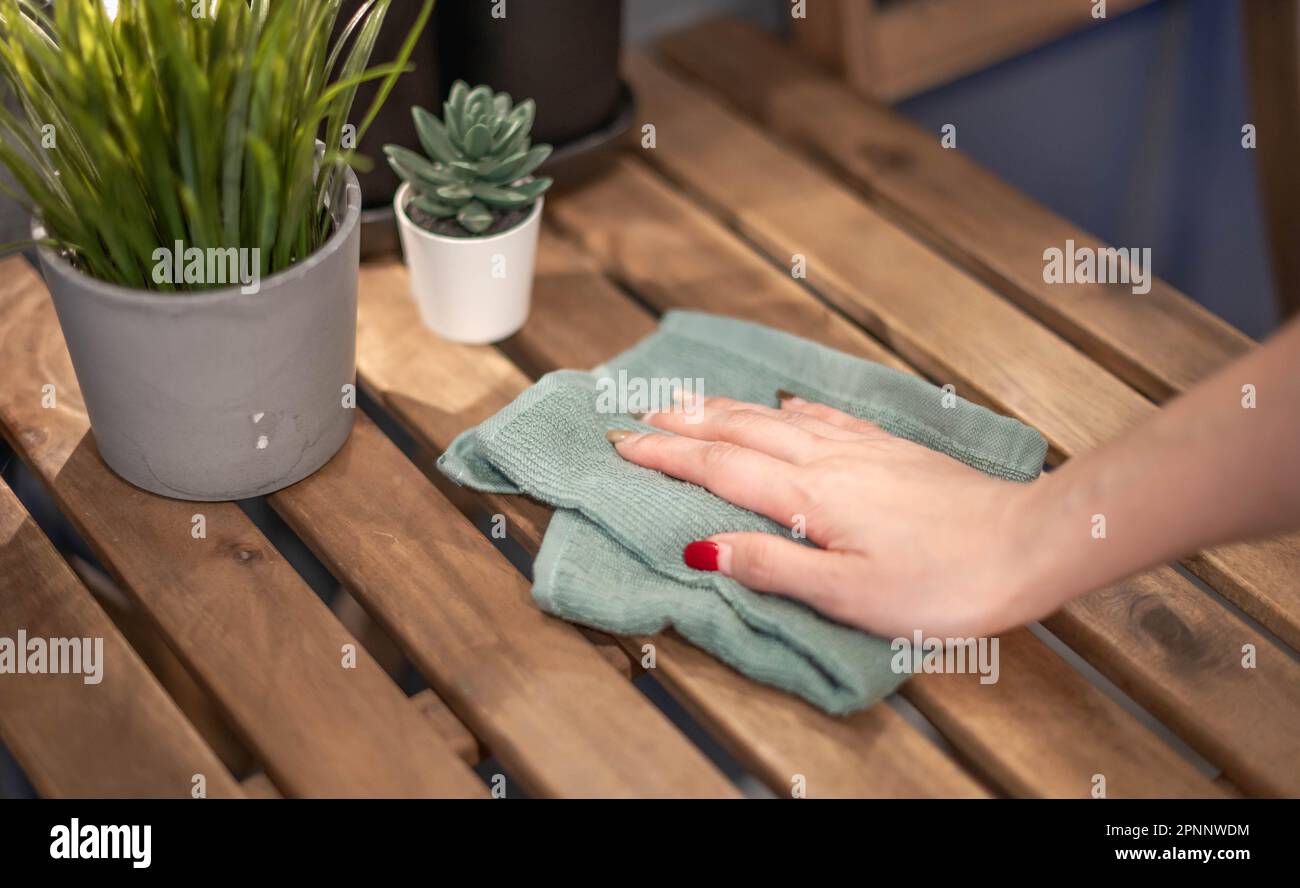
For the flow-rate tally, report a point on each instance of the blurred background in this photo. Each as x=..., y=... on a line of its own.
x=1130, y=129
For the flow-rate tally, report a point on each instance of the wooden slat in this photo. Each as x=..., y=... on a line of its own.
x=823, y=36
x=427, y=703
x=545, y=701
x=609, y=648
x=451, y=729
x=873, y=753
x=1170, y=647
x=259, y=786
x=457, y=387
x=195, y=703
x=444, y=721
x=436, y=389
x=1043, y=729
x=121, y=737
x=235, y=612
x=1160, y=343
x=942, y=321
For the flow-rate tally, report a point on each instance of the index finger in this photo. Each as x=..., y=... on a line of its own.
x=745, y=477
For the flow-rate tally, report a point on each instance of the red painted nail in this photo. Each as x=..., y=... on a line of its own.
x=701, y=555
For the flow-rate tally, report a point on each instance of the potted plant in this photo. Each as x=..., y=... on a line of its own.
x=189, y=170
x=469, y=212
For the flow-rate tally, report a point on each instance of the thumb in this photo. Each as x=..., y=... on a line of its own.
x=766, y=562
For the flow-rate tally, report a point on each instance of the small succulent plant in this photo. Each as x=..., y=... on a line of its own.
x=480, y=158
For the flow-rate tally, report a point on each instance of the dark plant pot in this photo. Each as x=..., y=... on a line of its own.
x=563, y=54
x=393, y=125
x=580, y=159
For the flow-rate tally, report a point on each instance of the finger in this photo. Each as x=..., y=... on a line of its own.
x=751, y=480
x=747, y=427
x=829, y=415
x=804, y=421
x=826, y=581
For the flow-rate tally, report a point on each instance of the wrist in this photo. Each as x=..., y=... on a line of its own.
x=1041, y=564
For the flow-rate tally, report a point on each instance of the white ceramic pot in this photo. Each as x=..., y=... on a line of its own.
x=471, y=289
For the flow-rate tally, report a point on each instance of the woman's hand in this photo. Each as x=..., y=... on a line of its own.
x=912, y=539
x=907, y=538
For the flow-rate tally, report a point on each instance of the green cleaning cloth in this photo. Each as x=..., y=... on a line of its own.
x=612, y=556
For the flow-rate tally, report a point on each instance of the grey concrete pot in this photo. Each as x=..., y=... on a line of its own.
x=218, y=395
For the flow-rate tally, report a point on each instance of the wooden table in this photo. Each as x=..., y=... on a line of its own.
x=915, y=257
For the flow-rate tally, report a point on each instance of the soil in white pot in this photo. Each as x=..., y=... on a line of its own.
x=451, y=228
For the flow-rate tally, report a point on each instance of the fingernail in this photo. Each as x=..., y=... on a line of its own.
x=706, y=555
x=638, y=416
x=783, y=396
x=615, y=436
